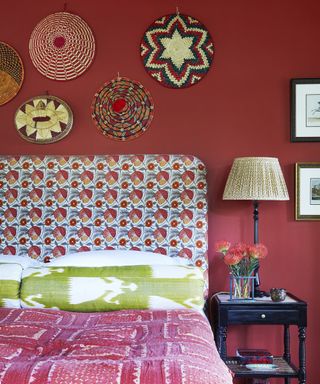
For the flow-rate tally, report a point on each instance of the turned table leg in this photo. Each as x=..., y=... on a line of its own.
x=286, y=353
x=222, y=342
x=302, y=355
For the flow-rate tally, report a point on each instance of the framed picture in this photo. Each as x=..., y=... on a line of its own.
x=307, y=204
x=305, y=110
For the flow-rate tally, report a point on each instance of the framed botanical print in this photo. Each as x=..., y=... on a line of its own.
x=305, y=110
x=307, y=203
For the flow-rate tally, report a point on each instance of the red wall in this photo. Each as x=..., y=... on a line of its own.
x=241, y=108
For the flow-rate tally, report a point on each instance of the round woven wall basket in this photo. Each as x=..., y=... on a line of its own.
x=44, y=119
x=62, y=46
x=11, y=73
x=177, y=50
x=122, y=109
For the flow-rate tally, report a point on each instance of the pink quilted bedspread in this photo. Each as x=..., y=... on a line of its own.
x=138, y=347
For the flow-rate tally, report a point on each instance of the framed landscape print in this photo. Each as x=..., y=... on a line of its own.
x=305, y=110
x=307, y=204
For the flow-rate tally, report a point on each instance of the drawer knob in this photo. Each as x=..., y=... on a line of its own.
x=263, y=316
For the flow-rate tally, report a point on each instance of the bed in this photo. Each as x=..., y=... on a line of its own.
x=103, y=271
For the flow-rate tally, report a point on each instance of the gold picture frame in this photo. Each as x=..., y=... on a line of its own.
x=307, y=191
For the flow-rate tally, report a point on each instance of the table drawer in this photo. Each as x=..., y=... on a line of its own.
x=261, y=316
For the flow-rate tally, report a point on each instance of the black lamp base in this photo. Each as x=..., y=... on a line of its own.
x=257, y=291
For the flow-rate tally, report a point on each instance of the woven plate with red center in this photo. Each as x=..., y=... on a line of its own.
x=122, y=109
x=11, y=73
x=62, y=46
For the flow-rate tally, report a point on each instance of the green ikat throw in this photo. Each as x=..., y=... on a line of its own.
x=10, y=277
x=91, y=289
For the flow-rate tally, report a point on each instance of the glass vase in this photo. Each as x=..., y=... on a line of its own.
x=242, y=287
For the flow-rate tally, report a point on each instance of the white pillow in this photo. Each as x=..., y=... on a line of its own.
x=24, y=261
x=108, y=257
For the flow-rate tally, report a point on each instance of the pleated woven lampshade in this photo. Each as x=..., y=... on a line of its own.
x=255, y=178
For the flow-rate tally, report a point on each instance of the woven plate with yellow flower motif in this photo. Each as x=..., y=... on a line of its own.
x=44, y=119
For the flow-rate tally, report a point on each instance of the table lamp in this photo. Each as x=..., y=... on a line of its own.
x=256, y=178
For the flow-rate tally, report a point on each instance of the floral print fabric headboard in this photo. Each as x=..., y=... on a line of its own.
x=53, y=205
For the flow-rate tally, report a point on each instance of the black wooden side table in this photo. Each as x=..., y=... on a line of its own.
x=223, y=312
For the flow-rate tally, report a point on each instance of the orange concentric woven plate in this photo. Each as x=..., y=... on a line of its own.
x=11, y=73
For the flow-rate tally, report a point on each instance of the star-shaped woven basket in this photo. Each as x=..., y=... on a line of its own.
x=177, y=50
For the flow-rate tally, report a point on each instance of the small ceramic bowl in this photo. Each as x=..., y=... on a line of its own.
x=278, y=294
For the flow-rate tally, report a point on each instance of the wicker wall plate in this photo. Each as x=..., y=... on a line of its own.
x=177, y=50
x=122, y=109
x=11, y=73
x=44, y=119
x=62, y=46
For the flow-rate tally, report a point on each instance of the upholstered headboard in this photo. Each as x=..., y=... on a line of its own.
x=53, y=205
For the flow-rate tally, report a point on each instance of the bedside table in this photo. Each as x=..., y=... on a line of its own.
x=222, y=312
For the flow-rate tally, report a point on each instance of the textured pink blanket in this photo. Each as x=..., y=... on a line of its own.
x=138, y=347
